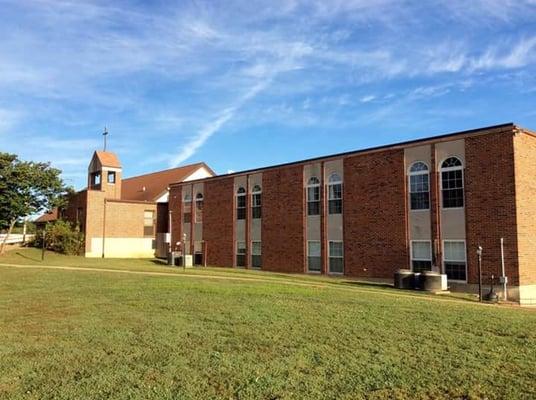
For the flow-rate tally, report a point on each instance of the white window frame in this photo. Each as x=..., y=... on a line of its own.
x=320, y=256
x=420, y=259
x=319, y=201
x=241, y=192
x=333, y=182
x=253, y=253
x=464, y=253
x=257, y=190
x=245, y=254
x=416, y=173
x=447, y=169
x=329, y=257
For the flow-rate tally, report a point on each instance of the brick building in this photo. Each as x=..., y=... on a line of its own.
x=125, y=217
x=425, y=204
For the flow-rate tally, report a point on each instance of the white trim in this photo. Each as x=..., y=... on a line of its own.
x=465, y=260
x=411, y=250
x=199, y=173
x=307, y=255
x=448, y=169
x=418, y=173
x=341, y=257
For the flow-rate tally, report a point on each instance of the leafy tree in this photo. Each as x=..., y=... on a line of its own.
x=27, y=188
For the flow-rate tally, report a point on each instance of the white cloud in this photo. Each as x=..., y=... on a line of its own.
x=367, y=99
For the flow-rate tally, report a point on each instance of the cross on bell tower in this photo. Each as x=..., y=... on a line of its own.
x=105, y=135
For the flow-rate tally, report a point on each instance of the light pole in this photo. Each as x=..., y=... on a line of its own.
x=479, y=253
x=184, y=251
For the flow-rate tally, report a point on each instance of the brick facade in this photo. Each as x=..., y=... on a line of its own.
x=283, y=228
x=525, y=174
x=218, y=218
x=375, y=214
x=491, y=205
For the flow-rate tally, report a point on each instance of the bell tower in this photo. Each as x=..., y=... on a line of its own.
x=105, y=173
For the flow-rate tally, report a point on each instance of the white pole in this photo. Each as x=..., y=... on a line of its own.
x=503, y=272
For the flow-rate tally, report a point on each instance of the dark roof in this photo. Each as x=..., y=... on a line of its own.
x=48, y=216
x=506, y=126
x=108, y=159
x=156, y=183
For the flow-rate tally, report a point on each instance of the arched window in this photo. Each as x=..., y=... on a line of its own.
x=241, y=203
x=187, y=208
x=199, y=207
x=313, y=196
x=452, y=183
x=256, y=202
x=419, y=186
x=335, y=194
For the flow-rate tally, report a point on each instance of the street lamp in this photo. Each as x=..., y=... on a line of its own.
x=479, y=253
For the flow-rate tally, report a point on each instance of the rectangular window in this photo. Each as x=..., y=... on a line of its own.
x=419, y=192
x=241, y=207
x=313, y=200
x=336, y=257
x=148, y=223
x=314, y=258
x=421, y=255
x=111, y=177
x=454, y=259
x=452, y=188
x=335, y=199
x=256, y=205
x=256, y=254
x=240, y=254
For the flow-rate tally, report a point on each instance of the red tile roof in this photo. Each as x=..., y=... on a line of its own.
x=108, y=159
x=156, y=183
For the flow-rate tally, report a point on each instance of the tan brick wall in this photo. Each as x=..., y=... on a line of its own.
x=283, y=220
x=491, y=205
x=218, y=218
x=525, y=173
x=375, y=214
x=125, y=220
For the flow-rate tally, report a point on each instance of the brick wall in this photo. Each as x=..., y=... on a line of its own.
x=218, y=218
x=283, y=220
x=75, y=212
x=490, y=204
x=525, y=172
x=175, y=206
x=375, y=214
x=125, y=219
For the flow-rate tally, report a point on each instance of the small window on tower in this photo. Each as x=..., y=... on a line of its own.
x=111, y=177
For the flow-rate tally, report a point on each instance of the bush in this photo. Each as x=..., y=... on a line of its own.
x=62, y=237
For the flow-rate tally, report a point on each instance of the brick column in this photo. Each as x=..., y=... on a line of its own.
x=248, y=224
x=435, y=210
x=323, y=221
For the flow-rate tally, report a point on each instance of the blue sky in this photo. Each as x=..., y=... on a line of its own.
x=244, y=84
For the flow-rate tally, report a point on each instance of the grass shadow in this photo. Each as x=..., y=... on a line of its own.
x=28, y=258
x=378, y=285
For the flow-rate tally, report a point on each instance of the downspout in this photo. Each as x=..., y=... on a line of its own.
x=103, y=228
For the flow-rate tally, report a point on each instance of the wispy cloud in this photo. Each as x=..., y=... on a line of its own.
x=191, y=146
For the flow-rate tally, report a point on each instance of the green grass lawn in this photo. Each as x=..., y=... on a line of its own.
x=67, y=334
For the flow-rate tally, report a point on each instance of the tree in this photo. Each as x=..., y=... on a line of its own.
x=27, y=188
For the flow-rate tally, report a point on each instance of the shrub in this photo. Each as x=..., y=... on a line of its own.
x=62, y=237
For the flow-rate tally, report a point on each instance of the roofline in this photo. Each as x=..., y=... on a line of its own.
x=169, y=169
x=470, y=132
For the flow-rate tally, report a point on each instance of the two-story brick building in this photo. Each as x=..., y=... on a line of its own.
x=425, y=204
